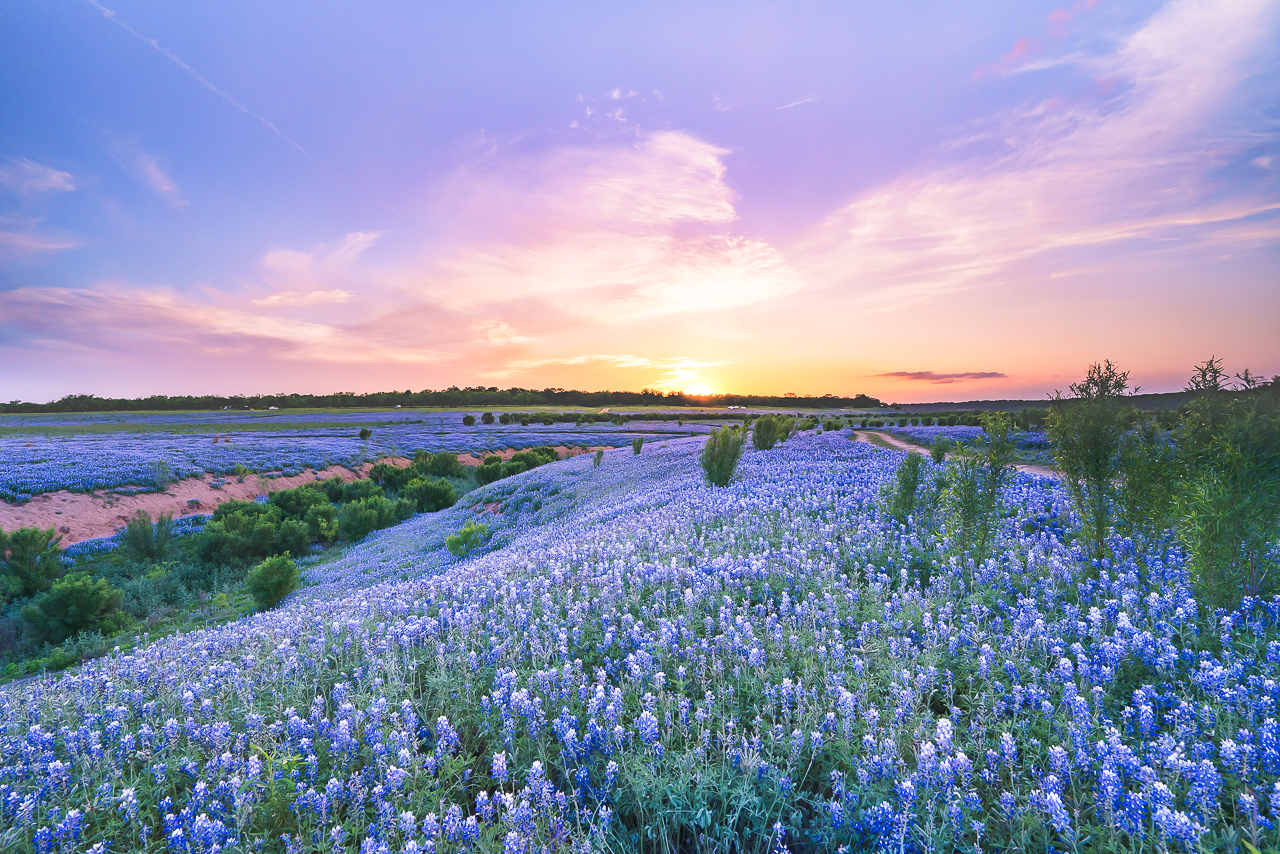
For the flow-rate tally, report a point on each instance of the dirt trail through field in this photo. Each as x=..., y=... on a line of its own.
x=84, y=516
x=900, y=444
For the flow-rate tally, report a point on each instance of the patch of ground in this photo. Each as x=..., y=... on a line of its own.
x=889, y=440
x=86, y=515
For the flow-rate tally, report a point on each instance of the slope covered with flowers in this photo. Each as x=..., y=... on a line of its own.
x=641, y=662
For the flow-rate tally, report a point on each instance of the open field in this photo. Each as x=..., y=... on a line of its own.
x=633, y=660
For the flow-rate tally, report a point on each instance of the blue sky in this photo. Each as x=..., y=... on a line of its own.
x=935, y=202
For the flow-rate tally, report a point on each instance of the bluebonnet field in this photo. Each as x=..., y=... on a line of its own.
x=32, y=463
x=637, y=657
x=1030, y=445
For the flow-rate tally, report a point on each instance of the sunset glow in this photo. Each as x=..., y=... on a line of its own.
x=938, y=203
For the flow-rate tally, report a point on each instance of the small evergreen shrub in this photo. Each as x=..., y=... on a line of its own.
x=293, y=537
x=636, y=444
x=469, y=420
x=599, y=458
x=272, y=580
x=31, y=560
x=145, y=540
x=365, y=434
x=769, y=430
x=430, y=494
x=721, y=453
x=487, y=418
x=74, y=604
x=440, y=464
x=392, y=478
x=470, y=537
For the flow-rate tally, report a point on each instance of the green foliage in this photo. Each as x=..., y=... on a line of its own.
x=470, y=537
x=356, y=519
x=973, y=484
x=939, y=449
x=340, y=492
x=487, y=418
x=430, y=494
x=636, y=444
x=720, y=455
x=599, y=458
x=246, y=533
x=535, y=457
x=769, y=430
x=392, y=478
x=145, y=540
x=272, y=580
x=440, y=464
x=904, y=497
x=504, y=418
x=161, y=475
x=365, y=434
x=469, y=420
x=74, y=604
x=294, y=503
x=1148, y=477
x=31, y=560
x=322, y=522
x=1087, y=430
x=293, y=537
x=1227, y=507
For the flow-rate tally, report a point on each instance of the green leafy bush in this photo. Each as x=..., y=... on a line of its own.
x=392, y=478
x=720, y=455
x=322, y=522
x=356, y=519
x=74, y=604
x=487, y=418
x=973, y=485
x=470, y=537
x=636, y=444
x=440, y=464
x=769, y=430
x=939, y=449
x=293, y=537
x=239, y=531
x=31, y=560
x=469, y=420
x=599, y=458
x=294, y=503
x=1086, y=430
x=272, y=580
x=905, y=490
x=145, y=540
x=430, y=494
x=365, y=434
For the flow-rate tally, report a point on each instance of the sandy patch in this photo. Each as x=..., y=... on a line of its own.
x=84, y=516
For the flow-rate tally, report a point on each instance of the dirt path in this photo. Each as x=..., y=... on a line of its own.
x=903, y=445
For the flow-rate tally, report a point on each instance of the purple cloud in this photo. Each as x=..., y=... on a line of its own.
x=931, y=377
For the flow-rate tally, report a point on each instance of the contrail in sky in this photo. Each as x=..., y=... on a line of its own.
x=204, y=81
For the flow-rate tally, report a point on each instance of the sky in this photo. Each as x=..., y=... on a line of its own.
x=921, y=202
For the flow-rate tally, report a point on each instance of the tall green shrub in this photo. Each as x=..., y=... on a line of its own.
x=469, y=537
x=973, y=485
x=1227, y=507
x=74, y=604
x=720, y=455
x=272, y=580
x=1086, y=430
x=430, y=494
x=147, y=540
x=636, y=444
x=769, y=430
x=31, y=560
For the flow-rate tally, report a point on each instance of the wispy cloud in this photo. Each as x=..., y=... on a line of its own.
x=148, y=169
x=26, y=176
x=807, y=99
x=29, y=243
x=932, y=377
x=1103, y=170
